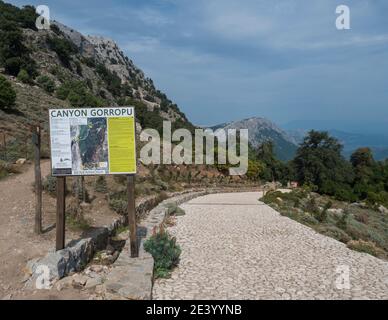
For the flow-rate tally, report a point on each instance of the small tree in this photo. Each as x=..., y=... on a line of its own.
x=46, y=83
x=319, y=162
x=7, y=94
x=23, y=76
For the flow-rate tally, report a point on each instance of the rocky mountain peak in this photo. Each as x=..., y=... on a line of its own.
x=262, y=130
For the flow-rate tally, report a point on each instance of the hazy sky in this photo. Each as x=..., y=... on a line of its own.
x=222, y=60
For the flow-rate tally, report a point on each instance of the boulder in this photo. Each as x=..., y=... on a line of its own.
x=383, y=209
x=336, y=211
x=93, y=282
x=132, y=282
x=80, y=280
x=21, y=161
x=64, y=283
x=123, y=236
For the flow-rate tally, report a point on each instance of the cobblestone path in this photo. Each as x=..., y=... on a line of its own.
x=235, y=247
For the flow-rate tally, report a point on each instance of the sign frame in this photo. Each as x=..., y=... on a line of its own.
x=104, y=115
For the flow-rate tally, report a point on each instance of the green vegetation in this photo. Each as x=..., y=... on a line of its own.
x=80, y=191
x=49, y=184
x=174, y=210
x=319, y=162
x=64, y=49
x=147, y=119
x=319, y=165
x=365, y=246
x=77, y=223
x=121, y=229
x=7, y=169
x=14, y=55
x=46, y=83
x=7, y=95
x=119, y=205
x=101, y=185
x=165, y=252
x=111, y=79
x=360, y=227
x=76, y=92
x=23, y=76
x=54, y=28
x=264, y=166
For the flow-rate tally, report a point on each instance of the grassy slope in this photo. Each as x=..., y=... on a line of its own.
x=362, y=228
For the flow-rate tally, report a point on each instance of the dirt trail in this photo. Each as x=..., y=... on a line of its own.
x=18, y=243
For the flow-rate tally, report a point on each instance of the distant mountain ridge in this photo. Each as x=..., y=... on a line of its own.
x=262, y=130
x=286, y=142
x=378, y=143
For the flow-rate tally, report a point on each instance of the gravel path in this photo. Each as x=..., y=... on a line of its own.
x=235, y=247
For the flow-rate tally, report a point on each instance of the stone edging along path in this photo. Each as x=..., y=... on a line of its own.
x=130, y=278
x=78, y=253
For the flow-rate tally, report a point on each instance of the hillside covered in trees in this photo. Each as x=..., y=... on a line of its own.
x=41, y=69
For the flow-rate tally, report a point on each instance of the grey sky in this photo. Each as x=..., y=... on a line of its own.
x=222, y=60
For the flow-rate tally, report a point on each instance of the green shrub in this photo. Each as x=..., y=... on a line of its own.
x=111, y=79
x=334, y=232
x=322, y=215
x=77, y=222
x=101, y=185
x=49, y=184
x=7, y=94
x=374, y=198
x=305, y=218
x=78, y=68
x=343, y=221
x=119, y=205
x=64, y=49
x=13, y=65
x=356, y=230
x=78, y=95
x=174, y=210
x=90, y=62
x=367, y=247
x=165, y=252
x=80, y=191
x=160, y=183
x=14, y=55
x=271, y=197
x=54, y=28
x=4, y=169
x=23, y=76
x=312, y=207
x=46, y=83
x=345, y=193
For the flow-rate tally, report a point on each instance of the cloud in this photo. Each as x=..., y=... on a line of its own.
x=227, y=59
x=152, y=17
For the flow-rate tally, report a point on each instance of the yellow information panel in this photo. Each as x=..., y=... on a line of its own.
x=122, y=149
x=92, y=141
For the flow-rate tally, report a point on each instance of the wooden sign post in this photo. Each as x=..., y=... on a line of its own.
x=4, y=146
x=90, y=142
x=132, y=217
x=61, y=207
x=36, y=141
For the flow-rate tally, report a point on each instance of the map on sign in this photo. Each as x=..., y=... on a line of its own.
x=97, y=141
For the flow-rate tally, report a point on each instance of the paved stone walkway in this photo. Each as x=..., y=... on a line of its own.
x=235, y=247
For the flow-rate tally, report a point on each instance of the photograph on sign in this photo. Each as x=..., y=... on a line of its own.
x=98, y=141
